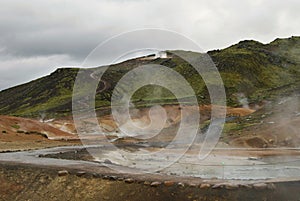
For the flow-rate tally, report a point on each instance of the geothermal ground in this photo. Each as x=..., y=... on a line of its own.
x=46, y=158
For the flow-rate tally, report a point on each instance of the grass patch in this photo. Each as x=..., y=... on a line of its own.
x=15, y=126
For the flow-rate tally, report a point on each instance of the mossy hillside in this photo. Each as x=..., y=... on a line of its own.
x=50, y=93
x=287, y=48
x=152, y=93
x=258, y=71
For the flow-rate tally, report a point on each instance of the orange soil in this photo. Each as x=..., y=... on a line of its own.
x=15, y=131
x=20, y=134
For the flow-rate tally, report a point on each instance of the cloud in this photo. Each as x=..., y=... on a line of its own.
x=18, y=70
x=36, y=29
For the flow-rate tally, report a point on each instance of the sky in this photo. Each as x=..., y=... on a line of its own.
x=38, y=36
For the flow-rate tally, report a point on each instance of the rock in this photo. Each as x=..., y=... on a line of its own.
x=43, y=179
x=106, y=161
x=169, y=183
x=107, y=127
x=113, y=178
x=260, y=186
x=180, y=184
x=288, y=140
x=147, y=183
x=193, y=185
x=129, y=180
x=80, y=173
x=231, y=186
x=105, y=177
x=217, y=186
x=203, y=186
x=96, y=175
x=253, y=158
x=271, y=186
x=155, y=184
x=245, y=186
x=63, y=173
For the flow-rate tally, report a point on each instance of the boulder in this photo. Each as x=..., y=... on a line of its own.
x=129, y=180
x=204, y=186
x=155, y=184
x=260, y=186
x=80, y=173
x=63, y=173
x=215, y=186
x=271, y=186
x=169, y=183
x=192, y=185
x=180, y=184
x=231, y=186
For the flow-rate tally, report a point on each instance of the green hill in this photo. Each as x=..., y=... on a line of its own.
x=249, y=69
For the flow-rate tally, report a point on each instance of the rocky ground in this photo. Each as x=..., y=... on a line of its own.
x=21, y=182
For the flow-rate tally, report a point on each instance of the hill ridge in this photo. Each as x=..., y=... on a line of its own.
x=253, y=69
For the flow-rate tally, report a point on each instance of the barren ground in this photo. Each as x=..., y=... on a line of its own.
x=26, y=181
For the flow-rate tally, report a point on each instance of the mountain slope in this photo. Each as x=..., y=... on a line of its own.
x=257, y=70
x=49, y=93
x=250, y=70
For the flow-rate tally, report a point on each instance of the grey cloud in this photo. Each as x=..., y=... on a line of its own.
x=57, y=29
x=18, y=70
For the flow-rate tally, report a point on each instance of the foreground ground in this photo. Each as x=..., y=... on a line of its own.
x=21, y=182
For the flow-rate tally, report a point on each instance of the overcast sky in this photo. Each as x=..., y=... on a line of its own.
x=37, y=36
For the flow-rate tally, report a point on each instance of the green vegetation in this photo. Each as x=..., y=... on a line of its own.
x=16, y=126
x=50, y=94
x=258, y=71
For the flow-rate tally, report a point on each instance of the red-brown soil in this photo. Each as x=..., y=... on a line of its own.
x=20, y=133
